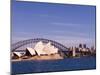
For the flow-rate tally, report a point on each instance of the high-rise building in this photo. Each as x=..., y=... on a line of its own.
x=84, y=45
x=80, y=45
x=74, y=52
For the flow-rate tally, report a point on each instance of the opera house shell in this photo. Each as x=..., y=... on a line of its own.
x=40, y=49
x=16, y=55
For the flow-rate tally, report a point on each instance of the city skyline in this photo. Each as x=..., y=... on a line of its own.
x=60, y=22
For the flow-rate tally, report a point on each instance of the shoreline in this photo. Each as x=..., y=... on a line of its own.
x=49, y=57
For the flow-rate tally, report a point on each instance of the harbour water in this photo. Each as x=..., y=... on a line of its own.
x=67, y=64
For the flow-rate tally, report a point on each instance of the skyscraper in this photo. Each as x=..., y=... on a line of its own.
x=80, y=45
x=84, y=45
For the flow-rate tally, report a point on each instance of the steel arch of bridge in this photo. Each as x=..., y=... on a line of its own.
x=25, y=42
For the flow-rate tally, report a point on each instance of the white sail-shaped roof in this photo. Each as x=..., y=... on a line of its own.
x=42, y=49
x=39, y=48
x=18, y=54
x=54, y=50
x=47, y=48
x=50, y=49
x=31, y=50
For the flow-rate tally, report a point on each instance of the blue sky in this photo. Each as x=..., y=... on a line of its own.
x=64, y=23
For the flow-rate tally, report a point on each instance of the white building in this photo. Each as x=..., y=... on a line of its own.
x=80, y=49
x=30, y=51
x=74, y=52
x=16, y=55
x=50, y=49
x=39, y=48
x=46, y=49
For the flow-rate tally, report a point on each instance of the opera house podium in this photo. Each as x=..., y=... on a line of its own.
x=40, y=51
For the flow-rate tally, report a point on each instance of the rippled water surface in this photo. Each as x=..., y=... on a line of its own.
x=37, y=66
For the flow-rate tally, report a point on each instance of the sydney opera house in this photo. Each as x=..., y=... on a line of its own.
x=40, y=51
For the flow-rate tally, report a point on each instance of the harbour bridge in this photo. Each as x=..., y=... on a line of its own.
x=19, y=44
